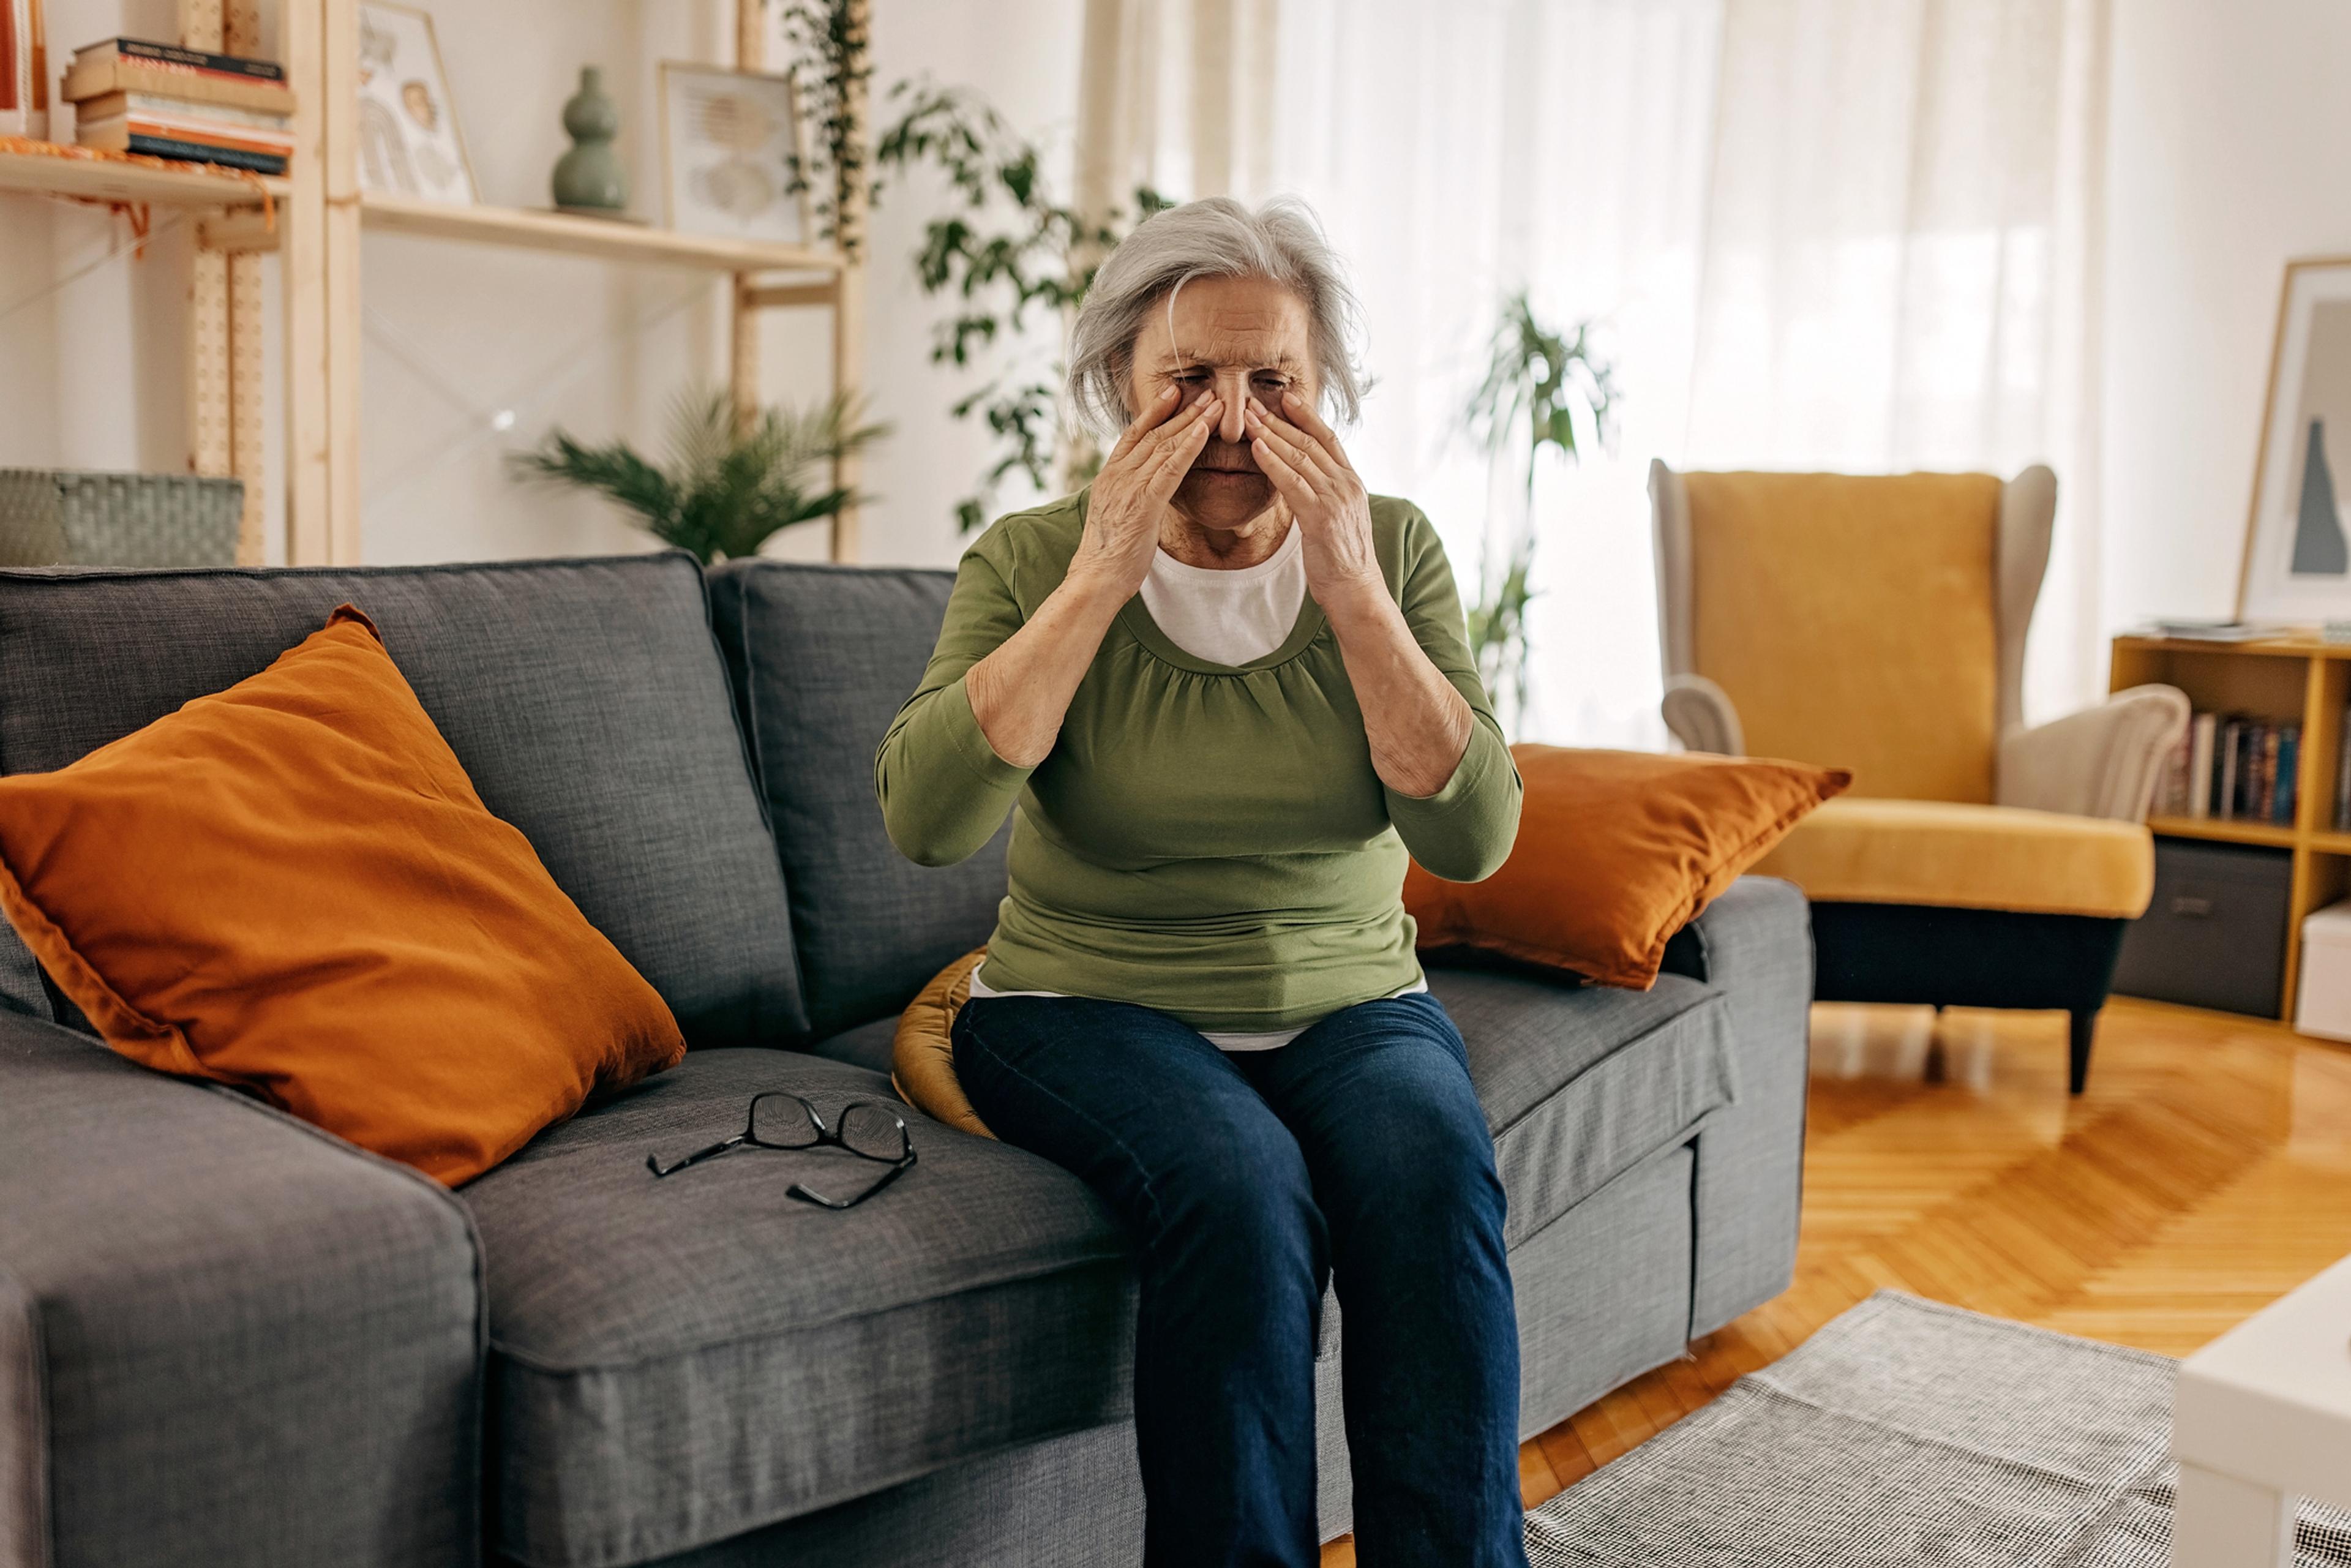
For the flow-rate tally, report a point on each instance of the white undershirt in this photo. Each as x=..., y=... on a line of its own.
x=1228, y=615
x=1223, y=616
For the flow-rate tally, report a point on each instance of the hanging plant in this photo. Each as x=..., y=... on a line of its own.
x=1004, y=247
x=1537, y=385
x=831, y=43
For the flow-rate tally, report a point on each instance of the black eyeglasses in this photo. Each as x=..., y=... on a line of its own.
x=866, y=1128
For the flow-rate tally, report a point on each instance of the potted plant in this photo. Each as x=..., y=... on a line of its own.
x=1539, y=382
x=726, y=489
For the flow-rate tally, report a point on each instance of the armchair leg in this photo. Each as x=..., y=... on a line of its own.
x=2082, y=1027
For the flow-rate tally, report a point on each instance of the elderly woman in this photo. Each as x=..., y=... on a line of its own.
x=1224, y=692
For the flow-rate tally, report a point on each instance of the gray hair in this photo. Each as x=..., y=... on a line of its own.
x=1213, y=237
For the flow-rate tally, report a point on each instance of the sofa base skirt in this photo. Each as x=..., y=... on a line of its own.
x=1602, y=1296
x=1919, y=954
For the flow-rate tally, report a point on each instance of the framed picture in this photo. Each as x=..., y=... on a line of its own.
x=727, y=139
x=409, y=140
x=2298, y=542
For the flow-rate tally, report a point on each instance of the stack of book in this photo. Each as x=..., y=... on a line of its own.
x=131, y=96
x=2233, y=767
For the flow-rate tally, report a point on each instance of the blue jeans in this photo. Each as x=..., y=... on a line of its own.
x=1357, y=1151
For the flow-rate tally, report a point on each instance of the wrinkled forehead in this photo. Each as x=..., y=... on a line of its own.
x=1209, y=323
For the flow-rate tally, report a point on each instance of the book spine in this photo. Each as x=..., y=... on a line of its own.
x=197, y=152
x=95, y=79
x=2343, y=777
x=2201, y=731
x=177, y=58
x=15, y=66
x=2224, y=798
x=36, y=62
x=2289, y=762
x=279, y=144
x=2265, y=807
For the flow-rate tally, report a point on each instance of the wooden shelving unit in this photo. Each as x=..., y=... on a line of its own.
x=318, y=215
x=2289, y=680
x=41, y=173
x=569, y=235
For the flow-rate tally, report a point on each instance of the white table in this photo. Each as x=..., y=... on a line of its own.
x=2262, y=1416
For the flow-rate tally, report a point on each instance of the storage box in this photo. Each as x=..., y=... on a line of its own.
x=2324, y=1005
x=55, y=517
x=2214, y=935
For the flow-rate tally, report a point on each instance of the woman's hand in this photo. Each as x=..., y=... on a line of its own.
x=1417, y=725
x=1131, y=493
x=1313, y=478
x=1020, y=693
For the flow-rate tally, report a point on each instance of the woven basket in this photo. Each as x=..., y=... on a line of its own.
x=57, y=518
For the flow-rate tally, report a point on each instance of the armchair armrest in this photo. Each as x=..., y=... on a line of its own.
x=1700, y=715
x=2103, y=761
x=224, y=1336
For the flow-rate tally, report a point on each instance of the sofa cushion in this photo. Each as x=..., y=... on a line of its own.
x=1582, y=1083
x=291, y=887
x=675, y=1361
x=1969, y=857
x=823, y=657
x=585, y=699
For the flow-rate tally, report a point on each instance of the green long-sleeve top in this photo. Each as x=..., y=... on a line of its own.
x=1208, y=840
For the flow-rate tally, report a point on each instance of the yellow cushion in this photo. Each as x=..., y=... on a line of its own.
x=1967, y=857
x=922, y=1056
x=1852, y=620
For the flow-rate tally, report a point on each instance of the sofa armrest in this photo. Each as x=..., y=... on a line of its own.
x=1755, y=944
x=2103, y=761
x=1700, y=715
x=224, y=1336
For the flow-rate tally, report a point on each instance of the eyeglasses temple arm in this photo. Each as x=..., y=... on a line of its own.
x=652, y=1162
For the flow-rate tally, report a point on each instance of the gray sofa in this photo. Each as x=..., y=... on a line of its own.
x=228, y=1338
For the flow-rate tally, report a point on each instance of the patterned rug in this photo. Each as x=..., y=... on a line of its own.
x=1906, y=1432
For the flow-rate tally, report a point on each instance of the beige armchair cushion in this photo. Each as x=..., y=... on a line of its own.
x=1967, y=857
x=1851, y=622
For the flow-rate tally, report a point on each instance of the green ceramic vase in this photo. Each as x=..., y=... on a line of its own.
x=589, y=178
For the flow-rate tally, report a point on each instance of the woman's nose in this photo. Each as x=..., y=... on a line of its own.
x=1234, y=388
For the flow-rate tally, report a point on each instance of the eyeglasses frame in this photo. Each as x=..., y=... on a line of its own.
x=826, y=1136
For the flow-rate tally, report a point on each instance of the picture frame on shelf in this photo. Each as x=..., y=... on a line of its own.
x=728, y=141
x=410, y=143
x=2297, y=558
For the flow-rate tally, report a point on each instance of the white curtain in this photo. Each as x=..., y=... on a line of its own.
x=1848, y=234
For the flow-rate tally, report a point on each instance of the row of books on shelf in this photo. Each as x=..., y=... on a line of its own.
x=132, y=95
x=2236, y=768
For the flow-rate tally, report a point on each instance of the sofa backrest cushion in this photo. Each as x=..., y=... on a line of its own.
x=822, y=656
x=585, y=698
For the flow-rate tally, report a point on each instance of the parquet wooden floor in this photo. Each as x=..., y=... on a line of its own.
x=2206, y=1173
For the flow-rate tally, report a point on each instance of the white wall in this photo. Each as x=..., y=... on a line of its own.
x=456, y=335
x=2229, y=153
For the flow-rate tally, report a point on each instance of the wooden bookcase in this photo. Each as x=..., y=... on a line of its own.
x=2288, y=680
x=320, y=214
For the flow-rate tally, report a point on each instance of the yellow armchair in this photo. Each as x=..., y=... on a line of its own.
x=1878, y=624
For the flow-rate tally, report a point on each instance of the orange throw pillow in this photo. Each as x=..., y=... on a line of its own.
x=290, y=886
x=1617, y=851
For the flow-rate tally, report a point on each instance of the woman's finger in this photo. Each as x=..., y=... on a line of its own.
x=1302, y=414
x=1303, y=454
x=1167, y=470
x=1153, y=415
x=1288, y=481
x=1174, y=432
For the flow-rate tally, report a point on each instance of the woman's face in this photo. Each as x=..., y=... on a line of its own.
x=1245, y=338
